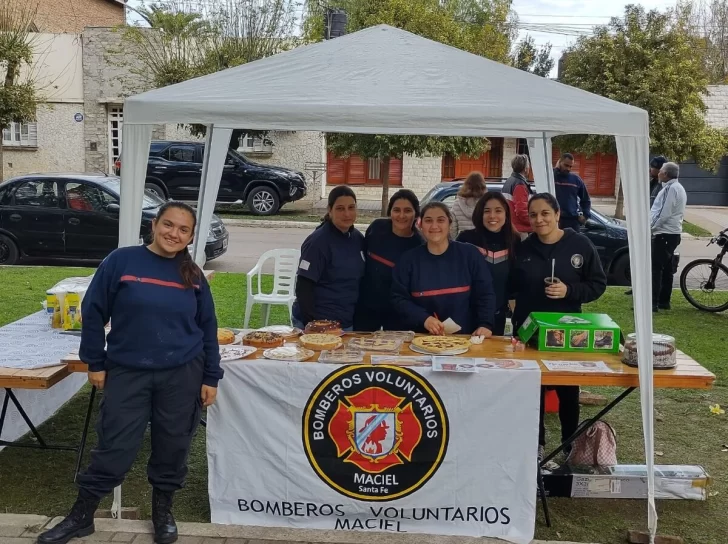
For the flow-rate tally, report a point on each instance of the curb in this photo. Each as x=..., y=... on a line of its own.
x=272, y=223
x=26, y=527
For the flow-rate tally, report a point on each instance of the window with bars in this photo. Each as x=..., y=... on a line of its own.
x=116, y=122
x=249, y=144
x=21, y=135
x=448, y=167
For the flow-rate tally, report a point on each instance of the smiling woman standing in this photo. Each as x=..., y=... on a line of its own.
x=498, y=241
x=385, y=241
x=443, y=279
x=331, y=265
x=579, y=278
x=160, y=363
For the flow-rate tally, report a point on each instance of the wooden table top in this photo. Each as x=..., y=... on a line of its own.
x=40, y=378
x=688, y=374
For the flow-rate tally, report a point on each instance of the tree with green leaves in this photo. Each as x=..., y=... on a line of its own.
x=653, y=61
x=18, y=95
x=529, y=58
x=482, y=27
x=179, y=43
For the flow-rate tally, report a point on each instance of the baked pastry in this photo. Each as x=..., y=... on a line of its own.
x=441, y=344
x=288, y=353
x=341, y=356
x=664, y=354
x=375, y=343
x=225, y=336
x=261, y=339
x=405, y=336
x=320, y=342
x=324, y=326
x=286, y=331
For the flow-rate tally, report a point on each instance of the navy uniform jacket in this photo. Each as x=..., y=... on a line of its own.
x=334, y=262
x=571, y=194
x=383, y=250
x=456, y=285
x=577, y=265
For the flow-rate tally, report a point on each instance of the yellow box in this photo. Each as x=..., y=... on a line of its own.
x=72, y=311
x=53, y=309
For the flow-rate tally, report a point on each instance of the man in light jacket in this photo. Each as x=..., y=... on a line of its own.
x=517, y=192
x=667, y=215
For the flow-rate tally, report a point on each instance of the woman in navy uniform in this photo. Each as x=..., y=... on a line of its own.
x=443, y=279
x=498, y=241
x=386, y=240
x=331, y=265
x=581, y=280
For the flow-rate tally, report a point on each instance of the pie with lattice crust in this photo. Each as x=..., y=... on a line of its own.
x=320, y=342
x=373, y=343
x=262, y=339
x=441, y=344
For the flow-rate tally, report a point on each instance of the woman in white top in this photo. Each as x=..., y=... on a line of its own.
x=462, y=209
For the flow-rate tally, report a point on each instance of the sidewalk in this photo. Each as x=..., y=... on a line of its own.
x=23, y=529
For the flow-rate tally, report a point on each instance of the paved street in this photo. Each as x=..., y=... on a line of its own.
x=247, y=244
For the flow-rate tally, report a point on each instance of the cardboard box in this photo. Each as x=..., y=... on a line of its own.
x=588, y=333
x=629, y=482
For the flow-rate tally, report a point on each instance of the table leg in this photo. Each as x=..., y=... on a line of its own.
x=584, y=425
x=28, y=422
x=203, y=423
x=2, y=415
x=84, y=435
x=544, y=500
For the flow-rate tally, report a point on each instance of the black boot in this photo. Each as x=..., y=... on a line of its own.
x=78, y=523
x=165, y=529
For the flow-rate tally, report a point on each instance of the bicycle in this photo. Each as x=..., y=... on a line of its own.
x=707, y=279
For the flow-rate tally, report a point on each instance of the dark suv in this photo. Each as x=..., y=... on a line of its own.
x=175, y=168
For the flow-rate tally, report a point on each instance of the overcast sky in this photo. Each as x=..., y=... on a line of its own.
x=559, y=22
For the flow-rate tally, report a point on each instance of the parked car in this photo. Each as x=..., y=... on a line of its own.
x=608, y=235
x=174, y=171
x=74, y=216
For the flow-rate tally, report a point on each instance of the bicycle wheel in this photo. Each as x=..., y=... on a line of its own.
x=696, y=288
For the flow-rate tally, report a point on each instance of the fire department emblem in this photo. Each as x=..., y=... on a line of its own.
x=375, y=432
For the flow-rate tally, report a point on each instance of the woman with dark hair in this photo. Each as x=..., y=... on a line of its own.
x=386, y=240
x=498, y=241
x=578, y=278
x=462, y=209
x=443, y=279
x=160, y=363
x=331, y=265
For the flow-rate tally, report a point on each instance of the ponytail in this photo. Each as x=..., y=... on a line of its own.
x=188, y=269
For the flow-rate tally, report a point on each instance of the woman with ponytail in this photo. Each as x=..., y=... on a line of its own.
x=160, y=363
x=331, y=265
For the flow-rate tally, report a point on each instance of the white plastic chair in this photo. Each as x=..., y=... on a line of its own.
x=284, y=283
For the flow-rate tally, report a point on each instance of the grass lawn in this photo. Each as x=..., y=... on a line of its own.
x=695, y=230
x=685, y=433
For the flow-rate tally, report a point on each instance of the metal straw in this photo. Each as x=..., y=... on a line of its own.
x=553, y=265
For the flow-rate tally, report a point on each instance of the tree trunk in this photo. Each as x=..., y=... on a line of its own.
x=385, y=186
x=619, y=209
x=2, y=160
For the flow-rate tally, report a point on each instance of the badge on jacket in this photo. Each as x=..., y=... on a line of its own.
x=577, y=260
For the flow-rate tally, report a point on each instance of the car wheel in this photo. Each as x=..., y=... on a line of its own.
x=621, y=274
x=156, y=189
x=263, y=201
x=9, y=252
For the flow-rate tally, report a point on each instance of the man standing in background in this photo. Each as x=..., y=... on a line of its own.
x=667, y=217
x=655, y=184
x=571, y=193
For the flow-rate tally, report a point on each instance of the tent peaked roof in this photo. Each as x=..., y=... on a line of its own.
x=386, y=81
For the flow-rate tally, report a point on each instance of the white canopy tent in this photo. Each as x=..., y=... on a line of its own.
x=386, y=81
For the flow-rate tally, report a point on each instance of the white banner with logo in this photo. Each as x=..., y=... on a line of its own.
x=375, y=448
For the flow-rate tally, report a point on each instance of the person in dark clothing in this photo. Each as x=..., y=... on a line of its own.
x=160, y=363
x=498, y=242
x=385, y=241
x=571, y=194
x=517, y=192
x=443, y=279
x=581, y=279
x=331, y=266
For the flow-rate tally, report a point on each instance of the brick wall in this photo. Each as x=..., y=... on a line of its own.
x=421, y=174
x=74, y=15
x=105, y=82
x=717, y=103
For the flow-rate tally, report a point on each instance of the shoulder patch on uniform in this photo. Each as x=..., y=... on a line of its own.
x=305, y=265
